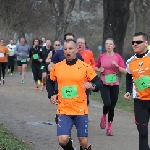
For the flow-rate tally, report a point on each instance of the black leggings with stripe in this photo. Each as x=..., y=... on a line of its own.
x=142, y=114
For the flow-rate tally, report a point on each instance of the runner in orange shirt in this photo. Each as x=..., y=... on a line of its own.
x=88, y=57
x=74, y=77
x=3, y=59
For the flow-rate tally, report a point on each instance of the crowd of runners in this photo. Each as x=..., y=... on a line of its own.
x=68, y=71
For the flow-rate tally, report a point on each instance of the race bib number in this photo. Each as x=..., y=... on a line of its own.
x=110, y=78
x=69, y=91
x=35, y=56
x=142, y=83
x=23, y=60
x=11, y=51
x=42, y=67
x=1, y=54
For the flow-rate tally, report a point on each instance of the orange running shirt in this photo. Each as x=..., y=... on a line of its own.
x=3, y=56
x=71, y=92
x=88, y=57
x=140, y=70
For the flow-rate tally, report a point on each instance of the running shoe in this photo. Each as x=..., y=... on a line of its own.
x=8, y=71
x=22, y=81
x=109, y=129
x=37, y=88
x=11, y=74
x=43, y=87
x=103, y=122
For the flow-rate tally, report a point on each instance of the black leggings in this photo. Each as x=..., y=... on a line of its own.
x=11, y=63
x=37, y=72
x=109, y=96
x=142, y=114
x=2, y=68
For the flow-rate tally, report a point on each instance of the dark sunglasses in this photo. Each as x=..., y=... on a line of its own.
x=57, y=45
x=137, y=42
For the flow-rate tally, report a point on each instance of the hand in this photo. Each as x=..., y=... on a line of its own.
x=88, y=85
x=101, y=69
x=54, y=99
x=28, y=59
x=115, y=64
x=127, y=96
x=40, y=60
x=48, y=60
x=20, y=54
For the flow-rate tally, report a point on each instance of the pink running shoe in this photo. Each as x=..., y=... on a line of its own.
x=109, y=129
x=103, y=122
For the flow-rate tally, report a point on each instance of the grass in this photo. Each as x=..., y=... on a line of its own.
x=122, y=103
x=9, y=142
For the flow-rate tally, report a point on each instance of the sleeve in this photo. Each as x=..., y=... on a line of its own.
x=92, y=60
x=16, y=50
x=55, y=58
x=121, y=62
x=78, y=55
x=51, y=83
x=40, y=53
x=98, y=64
x=129, y=83
x=30, y=53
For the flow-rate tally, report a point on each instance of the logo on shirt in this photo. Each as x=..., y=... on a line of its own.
x=140, y=63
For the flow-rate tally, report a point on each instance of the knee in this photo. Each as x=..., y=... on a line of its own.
x=63, y=140
x=143, y=130
x=83, y=141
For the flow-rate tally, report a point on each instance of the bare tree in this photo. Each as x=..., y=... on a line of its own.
x=61, y=9
x=140, y=14
x=116, y=16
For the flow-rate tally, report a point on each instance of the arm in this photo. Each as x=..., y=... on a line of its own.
x=16, y=50
x=98, y=64
x=30, y=53
x=121, y=65
x=92, y=60
x=48, y=59
x=129, y=83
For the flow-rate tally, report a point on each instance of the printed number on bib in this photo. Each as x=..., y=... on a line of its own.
x=69, y=91
x=35, y=56
x=142, y=83
x=23, y=60
x=110, y=78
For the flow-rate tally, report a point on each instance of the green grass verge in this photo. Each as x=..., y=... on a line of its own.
x=122, y=103
x=9, y=142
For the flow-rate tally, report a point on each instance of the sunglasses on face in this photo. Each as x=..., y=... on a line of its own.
x=57, y=45
x=137, y=42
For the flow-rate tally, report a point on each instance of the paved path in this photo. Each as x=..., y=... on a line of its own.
x=27, y=113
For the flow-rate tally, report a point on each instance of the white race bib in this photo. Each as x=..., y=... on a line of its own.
x=1, y=54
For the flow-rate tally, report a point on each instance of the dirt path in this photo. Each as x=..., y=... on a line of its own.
x=23, y=111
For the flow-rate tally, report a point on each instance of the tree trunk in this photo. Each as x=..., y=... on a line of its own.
x=60, y=20
x=116, y=16
x=140, y=16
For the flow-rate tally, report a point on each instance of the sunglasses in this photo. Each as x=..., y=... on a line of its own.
x=137, y=42
x=57, y=45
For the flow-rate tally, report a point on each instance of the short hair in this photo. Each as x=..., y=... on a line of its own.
x=145, y=37
x=68, y=34
x=69, y=40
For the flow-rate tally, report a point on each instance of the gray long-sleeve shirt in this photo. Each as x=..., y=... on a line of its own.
x=24, y=49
